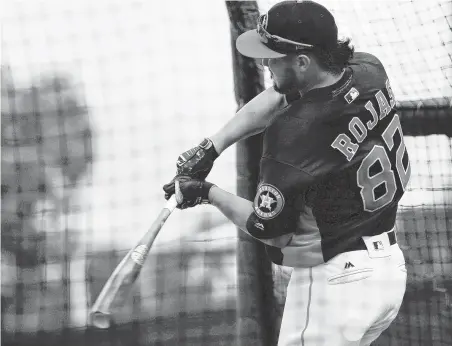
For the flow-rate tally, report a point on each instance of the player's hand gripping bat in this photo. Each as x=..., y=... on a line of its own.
x=116, y=290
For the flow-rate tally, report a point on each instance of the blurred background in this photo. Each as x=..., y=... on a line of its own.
x=99, y=99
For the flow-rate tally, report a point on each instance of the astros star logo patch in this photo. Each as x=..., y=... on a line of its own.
x=268, y=202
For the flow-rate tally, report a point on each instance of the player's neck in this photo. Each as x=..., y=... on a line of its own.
x=322, y=80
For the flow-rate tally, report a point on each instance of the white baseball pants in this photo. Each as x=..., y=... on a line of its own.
x=350, y=300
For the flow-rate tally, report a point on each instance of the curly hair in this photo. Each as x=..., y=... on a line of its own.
x=335, y=59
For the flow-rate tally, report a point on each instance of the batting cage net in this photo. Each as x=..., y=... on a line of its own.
x=98, y=100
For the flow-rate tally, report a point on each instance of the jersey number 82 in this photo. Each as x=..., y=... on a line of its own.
x=383, y=182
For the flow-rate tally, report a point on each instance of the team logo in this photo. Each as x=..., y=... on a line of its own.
x=351, y=95
x=262, y=28
x=269, y=202
x=264, y=21
x=139, y=254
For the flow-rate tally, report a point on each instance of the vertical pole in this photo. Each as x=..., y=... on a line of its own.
x=255, y=319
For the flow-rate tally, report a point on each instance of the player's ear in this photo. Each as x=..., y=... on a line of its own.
x=303, y=61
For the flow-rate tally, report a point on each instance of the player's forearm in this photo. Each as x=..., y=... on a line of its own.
x=251, y=119
x=243, y=125
x=238, y=210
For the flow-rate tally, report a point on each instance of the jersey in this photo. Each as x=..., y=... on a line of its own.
x=334, y=164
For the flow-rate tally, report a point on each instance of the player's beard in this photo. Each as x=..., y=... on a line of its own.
x=286, y=85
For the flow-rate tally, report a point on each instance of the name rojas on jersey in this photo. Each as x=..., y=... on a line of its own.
x=344, y=143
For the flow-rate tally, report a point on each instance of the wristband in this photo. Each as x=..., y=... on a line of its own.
x=207, y=145
x=206, y=186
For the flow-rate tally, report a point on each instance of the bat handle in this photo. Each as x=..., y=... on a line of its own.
x=171, y=203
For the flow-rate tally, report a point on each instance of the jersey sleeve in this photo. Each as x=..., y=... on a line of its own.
x=278, y=198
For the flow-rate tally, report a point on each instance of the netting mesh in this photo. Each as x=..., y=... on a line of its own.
x=99, y=98
x=130, y=85
x=411, y=38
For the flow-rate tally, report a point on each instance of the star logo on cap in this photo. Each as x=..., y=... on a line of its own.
x=264, y=21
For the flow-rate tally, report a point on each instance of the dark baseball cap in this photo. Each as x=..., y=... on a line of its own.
x=289, y=27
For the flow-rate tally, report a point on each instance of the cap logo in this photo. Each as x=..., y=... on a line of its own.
x=276, y=42
x=264, y=21
x=269, y=202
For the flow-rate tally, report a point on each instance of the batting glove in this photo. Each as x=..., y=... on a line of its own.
x=195, y=163
x=189, y=192
x=198, y=161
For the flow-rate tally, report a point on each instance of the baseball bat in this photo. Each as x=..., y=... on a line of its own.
x=115, y=291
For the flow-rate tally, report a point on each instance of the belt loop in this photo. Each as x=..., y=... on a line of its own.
x=394, y=229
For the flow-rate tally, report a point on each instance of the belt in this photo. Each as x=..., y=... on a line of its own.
x=392, y=240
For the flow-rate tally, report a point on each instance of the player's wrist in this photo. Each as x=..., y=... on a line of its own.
x=217, y=144
x=211, y=193
x=206, y=187
x=208, y=145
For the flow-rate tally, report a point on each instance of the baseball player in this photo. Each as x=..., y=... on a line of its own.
x=333, y=169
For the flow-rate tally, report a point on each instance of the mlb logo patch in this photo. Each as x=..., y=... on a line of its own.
x=378, y=245
x=351, y=95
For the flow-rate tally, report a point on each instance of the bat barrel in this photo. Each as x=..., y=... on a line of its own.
x=118, y=286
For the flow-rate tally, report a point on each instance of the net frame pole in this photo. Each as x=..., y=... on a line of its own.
x=256, y=318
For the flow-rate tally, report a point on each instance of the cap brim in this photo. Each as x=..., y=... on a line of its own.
x=250, y=45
